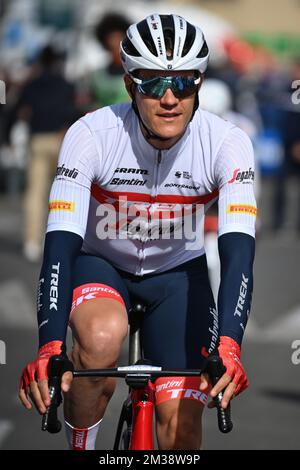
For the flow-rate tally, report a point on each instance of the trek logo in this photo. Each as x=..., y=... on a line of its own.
x=188, y=393
x=154, y=24
x=136, y=171
x=160, y=50
x=54, y=286
x=63, y=171
x=242, y=176
x=79, y=439
x=242, y=297
x=131, y=182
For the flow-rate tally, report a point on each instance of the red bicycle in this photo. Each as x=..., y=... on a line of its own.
x=134, y=430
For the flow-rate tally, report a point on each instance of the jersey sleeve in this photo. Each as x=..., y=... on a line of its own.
x=78, y=167
x=234, y=175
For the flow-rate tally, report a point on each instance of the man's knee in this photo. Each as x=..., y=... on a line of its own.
x=98, y=338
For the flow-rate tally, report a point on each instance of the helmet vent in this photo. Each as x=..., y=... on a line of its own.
x=203, y=51
x=168, y=26
x=189, y=39
x=129, y=48
x=145, y=34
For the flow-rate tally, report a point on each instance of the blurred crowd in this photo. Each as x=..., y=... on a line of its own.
x=251, y=88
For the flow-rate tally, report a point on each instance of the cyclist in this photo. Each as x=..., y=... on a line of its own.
x=130, y=179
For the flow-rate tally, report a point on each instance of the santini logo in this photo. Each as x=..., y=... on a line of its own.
x=131, y=182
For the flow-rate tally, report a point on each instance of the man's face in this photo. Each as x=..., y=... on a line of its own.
x=167, y=116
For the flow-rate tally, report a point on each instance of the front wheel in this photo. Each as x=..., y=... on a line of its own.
x=124, y=429
x=126, y=437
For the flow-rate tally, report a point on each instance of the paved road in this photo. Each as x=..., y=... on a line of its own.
x=267, y=416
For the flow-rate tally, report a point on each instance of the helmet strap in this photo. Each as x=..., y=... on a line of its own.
x=148, y=133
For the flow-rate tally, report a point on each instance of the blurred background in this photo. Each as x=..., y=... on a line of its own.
x=59, y=60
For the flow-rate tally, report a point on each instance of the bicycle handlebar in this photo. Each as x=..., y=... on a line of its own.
x=215, y=369
x=60, y=364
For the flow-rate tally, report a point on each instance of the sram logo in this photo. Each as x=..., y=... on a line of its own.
x=136, y=171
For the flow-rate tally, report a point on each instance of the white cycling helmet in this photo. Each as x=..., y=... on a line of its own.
x=164, y=42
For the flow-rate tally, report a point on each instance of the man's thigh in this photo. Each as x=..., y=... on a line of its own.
x=99, y=304
x=180, y=327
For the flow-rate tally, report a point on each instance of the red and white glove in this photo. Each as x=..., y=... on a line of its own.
x=230, y=353
x=38, y=369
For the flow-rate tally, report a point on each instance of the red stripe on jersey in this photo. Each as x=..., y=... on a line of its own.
x=101, y=195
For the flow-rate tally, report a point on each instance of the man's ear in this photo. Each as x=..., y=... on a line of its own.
x=201, y=81
x=129, y=84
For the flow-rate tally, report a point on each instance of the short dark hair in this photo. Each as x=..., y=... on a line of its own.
x=49, y=56
x=109, y=23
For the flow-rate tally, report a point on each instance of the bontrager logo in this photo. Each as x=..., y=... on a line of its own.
x=242, y=176
x=63, y=171
x=185, y=186
x=54, y=286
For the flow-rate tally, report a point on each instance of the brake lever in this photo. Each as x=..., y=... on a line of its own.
x=58, y=365
x=215, y=369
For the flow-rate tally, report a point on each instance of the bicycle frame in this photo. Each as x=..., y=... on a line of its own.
x=142, y=407
x=142, y=400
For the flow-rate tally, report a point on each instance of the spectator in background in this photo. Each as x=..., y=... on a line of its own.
x=290, y=127
x=106, y=84
x=47, y=103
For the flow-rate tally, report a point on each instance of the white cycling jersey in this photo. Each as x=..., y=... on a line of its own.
x=141, y=208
